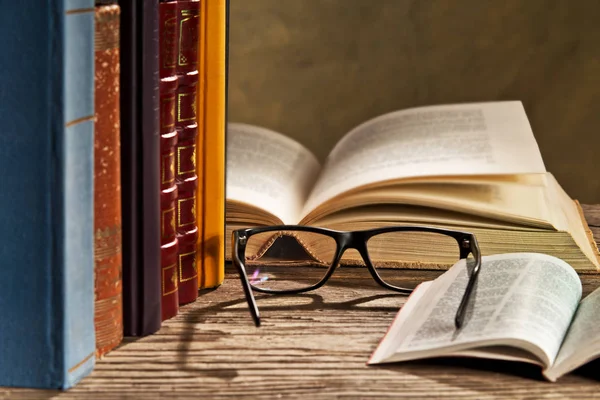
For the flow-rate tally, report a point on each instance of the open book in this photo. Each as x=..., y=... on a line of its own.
x=474, y=167
x=525, y=307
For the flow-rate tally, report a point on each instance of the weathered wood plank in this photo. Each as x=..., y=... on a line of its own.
x=592, y=214
x=313, y=345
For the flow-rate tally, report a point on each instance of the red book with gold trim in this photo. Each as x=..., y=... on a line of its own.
x=169, y=297
x=168, y=34
x=188, y=22
x=187, y=261
x=169, y=276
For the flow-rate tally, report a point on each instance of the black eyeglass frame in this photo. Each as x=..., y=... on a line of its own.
x=345, y=240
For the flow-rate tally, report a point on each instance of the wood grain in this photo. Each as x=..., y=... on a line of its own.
x=592, y=214
x=310, y=346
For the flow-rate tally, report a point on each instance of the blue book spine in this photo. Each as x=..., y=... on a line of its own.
x=46, y=193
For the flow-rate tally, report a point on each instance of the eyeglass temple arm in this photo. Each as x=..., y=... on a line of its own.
x=245, y=283
x=462, y=307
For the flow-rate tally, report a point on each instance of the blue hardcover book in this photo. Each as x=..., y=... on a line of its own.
x=46, y=193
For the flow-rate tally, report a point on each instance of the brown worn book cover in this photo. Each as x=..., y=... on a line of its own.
x=108, y=315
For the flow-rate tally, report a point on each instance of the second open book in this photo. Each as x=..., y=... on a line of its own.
x=474, y=167
x=525, y=307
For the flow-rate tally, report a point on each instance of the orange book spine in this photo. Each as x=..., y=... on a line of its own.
x=188, y=21
x=213, y=119
x=168, y=33
x=200, y=139
x=108, y=314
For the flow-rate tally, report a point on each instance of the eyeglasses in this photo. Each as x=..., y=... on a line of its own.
x=288, y=259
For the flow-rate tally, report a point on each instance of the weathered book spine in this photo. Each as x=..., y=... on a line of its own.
x=188, y=21
x=140, y=166
x=168, y=34
x=108, y=315
x=47, y=337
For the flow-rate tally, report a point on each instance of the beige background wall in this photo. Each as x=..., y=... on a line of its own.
x=313, y=69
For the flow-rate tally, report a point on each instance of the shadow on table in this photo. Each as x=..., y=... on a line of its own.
x=461, y=372
x=286, y=311
x=590, y=370
x=466, y=372
x=294, y=302
x=458, y=371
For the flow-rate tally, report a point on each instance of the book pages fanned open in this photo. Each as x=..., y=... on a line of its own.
x=525, y=307
x=474, y=167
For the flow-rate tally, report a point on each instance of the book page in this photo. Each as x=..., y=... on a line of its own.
x=518, y=298
x=502, y=201
x=268, y=170
x=582, y=342
x=464, y=139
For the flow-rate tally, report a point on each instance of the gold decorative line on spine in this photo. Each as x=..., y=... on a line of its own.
x=179, y=207
x=80, y=363
x=195, y=276
x=80, y=11
x=106, y=305
x=180, y=100
x=180, y=149
x=109, y=251
x=171, y=220
x=106, y=35
x=168, y=161
x=173, y=279
x=80, y=120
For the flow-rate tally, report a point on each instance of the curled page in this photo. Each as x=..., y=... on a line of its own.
x=464, y=139
x=522, y=299
x=268, y=170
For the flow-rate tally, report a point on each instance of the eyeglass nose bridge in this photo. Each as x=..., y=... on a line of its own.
x=350, y=240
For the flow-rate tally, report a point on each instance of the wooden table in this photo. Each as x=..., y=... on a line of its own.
x=309, y=346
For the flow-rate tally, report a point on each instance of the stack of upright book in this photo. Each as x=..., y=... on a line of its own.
x=112, y=141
